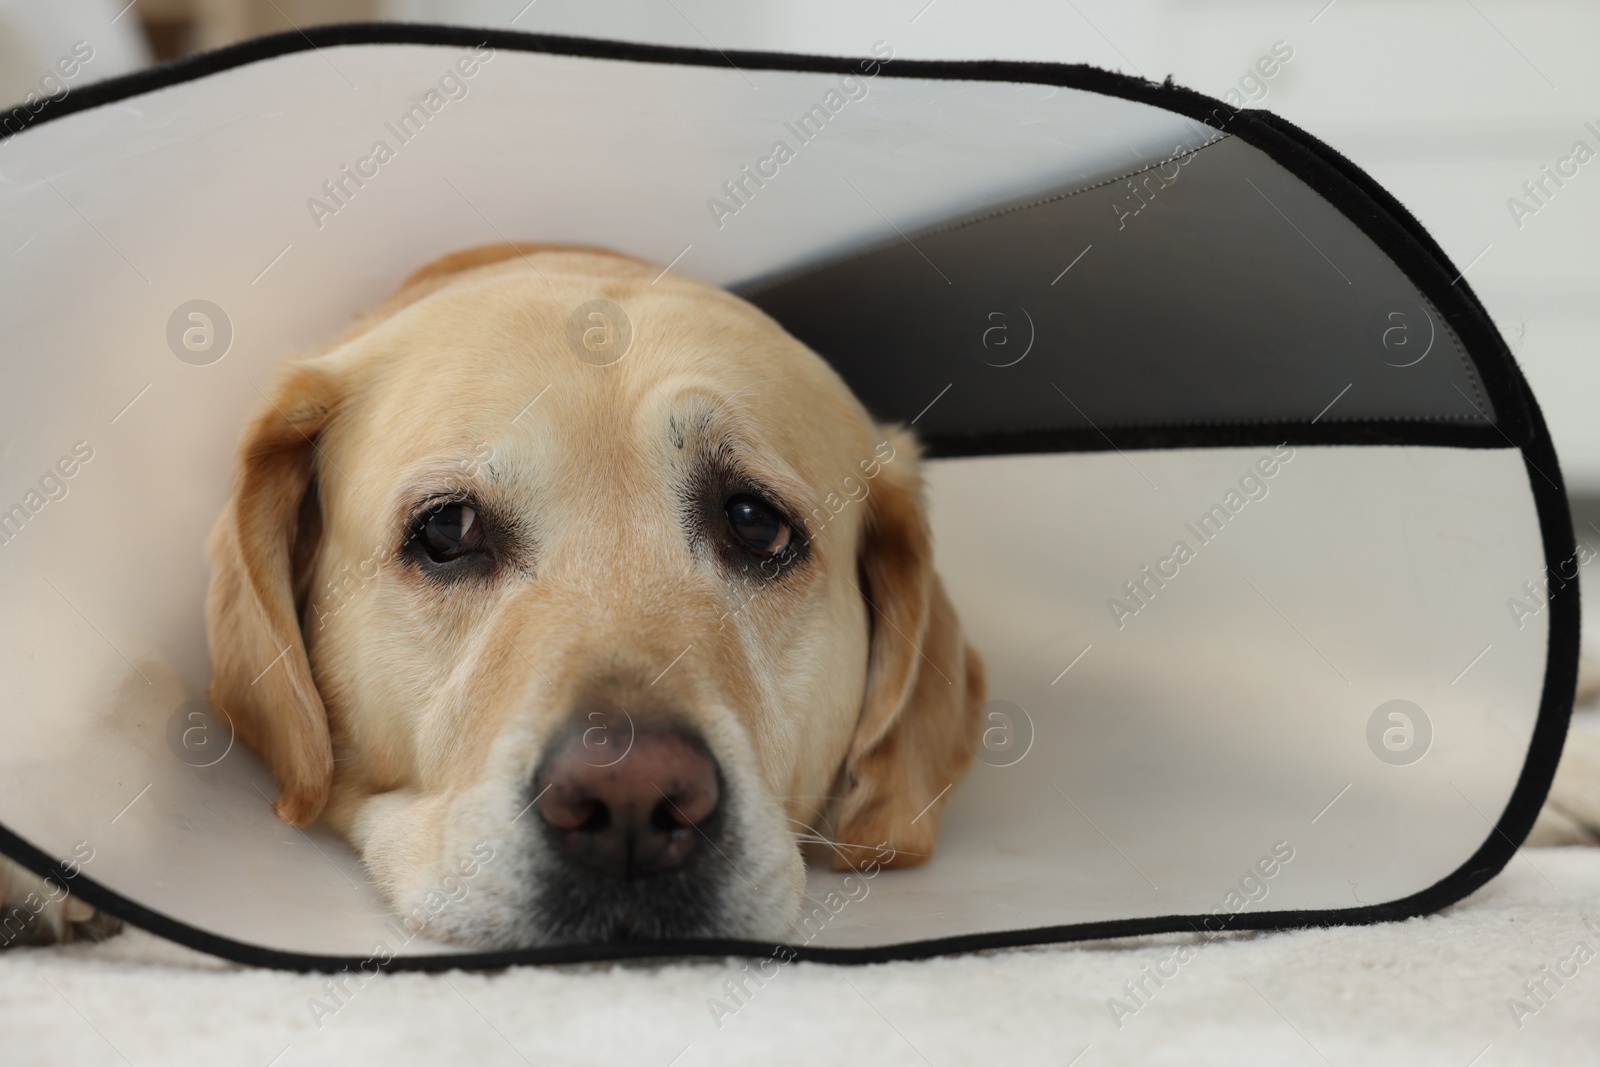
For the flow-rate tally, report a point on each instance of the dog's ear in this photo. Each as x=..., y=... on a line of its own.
x=261, y=550
x=919, y=721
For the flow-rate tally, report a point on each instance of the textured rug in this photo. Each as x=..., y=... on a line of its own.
x=1510, y=975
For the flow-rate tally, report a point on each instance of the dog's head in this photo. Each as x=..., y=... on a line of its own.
x=587, y=615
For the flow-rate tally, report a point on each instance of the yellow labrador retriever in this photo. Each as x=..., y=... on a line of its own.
x=602, y=568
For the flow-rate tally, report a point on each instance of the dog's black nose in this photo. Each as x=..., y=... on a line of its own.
x=624, y=799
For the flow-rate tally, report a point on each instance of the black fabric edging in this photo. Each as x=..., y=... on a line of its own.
x=1358, y=197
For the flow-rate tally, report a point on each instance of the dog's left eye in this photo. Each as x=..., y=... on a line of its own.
x=452, y=531
x=757, y=525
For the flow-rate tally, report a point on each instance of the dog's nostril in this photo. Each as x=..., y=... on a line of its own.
x=663, y=818
x=636, y=814
x=568, y=809
x=684, y=811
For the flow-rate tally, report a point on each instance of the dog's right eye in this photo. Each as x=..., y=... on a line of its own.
x=451, y=532
x=757, y=525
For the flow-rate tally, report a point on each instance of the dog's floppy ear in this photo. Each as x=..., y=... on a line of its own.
x=261, y=549
x=919, y=720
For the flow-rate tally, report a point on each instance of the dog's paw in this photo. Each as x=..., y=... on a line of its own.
x=38, y=911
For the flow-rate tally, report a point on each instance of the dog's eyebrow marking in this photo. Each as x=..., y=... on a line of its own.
x=675, y=431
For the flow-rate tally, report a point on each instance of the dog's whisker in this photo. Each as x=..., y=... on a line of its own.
x=818, y=837
x=837, y=851
x=850, y=844
x=803, y=825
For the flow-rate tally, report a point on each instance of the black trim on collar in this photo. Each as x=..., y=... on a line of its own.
x=1374, y=211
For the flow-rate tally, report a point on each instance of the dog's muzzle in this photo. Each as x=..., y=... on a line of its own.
x=632, y=810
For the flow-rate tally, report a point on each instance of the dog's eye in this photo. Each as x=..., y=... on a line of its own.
x=757, y=525
x=452, y=531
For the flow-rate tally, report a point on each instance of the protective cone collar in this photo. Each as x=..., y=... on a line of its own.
x=1123, y=316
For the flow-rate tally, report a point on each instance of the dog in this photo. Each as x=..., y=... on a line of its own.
x=584, y=590
x=635, y=601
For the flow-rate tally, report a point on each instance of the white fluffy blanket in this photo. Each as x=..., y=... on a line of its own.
x=1459, y=988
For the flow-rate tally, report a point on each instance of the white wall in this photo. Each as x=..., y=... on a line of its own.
x=35, y=35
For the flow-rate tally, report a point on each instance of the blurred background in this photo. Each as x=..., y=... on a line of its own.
x=1451, y=104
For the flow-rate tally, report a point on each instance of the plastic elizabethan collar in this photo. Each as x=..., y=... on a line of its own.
x=1238, y=483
